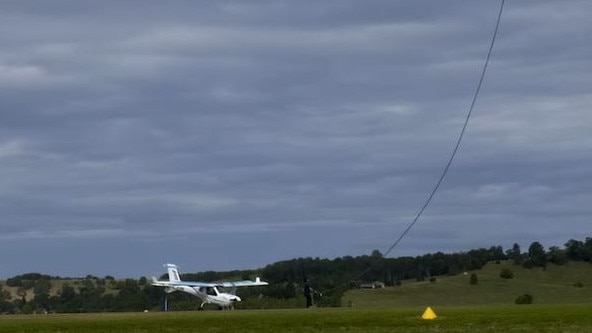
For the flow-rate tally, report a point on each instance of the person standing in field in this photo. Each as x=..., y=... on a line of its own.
x=308, y=293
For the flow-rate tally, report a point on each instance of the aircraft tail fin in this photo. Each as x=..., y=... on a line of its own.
x=173, y=271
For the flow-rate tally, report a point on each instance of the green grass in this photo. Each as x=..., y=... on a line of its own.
x=514, y=318
x=485, y=307
x=555, y=285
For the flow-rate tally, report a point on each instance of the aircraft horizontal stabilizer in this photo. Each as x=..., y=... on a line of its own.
x=160, y=283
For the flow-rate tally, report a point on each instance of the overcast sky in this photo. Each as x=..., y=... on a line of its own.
x=225, y=135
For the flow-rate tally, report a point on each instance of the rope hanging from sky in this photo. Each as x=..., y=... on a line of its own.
x=458, y=141
x=454, y=151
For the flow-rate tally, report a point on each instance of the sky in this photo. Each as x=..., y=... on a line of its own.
x=222, y=135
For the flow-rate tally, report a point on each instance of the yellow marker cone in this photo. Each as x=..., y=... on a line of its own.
x=428, y=314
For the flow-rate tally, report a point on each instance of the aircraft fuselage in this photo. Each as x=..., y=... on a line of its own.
x=208, y=295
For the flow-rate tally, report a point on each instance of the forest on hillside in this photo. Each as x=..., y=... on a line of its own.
x=39, y=293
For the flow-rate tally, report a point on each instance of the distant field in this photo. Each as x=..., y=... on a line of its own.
x=461, y=307
x=555, y=285
x=513, y=318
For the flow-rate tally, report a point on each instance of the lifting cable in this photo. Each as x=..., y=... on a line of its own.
x=460, y=137
x=454, y=151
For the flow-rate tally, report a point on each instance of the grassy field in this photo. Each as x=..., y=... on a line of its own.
x=559, y=306
x=555, y=285
x=513, y=318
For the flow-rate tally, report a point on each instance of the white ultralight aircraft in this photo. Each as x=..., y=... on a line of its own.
x=208, y=292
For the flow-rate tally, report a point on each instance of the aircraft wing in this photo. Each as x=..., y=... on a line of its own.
x=226, y=284
x=174, y=280
x=192, y=284
x=243, y=283
x=160, y=283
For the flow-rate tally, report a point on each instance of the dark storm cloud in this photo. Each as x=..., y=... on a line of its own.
x=192, y=131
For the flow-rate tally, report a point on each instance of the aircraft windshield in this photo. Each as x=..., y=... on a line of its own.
x=211, y=291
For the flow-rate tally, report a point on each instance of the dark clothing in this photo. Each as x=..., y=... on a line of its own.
x=308, y=294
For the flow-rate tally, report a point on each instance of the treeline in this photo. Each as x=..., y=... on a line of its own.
x=38, y=293
x=333, y=277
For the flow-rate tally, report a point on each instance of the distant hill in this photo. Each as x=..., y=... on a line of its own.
x=569, y=283
x=556, y=275
x=56, y=285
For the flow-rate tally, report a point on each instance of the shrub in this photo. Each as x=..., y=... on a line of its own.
x=524, y=299
x=14, y=282
x=506, y=273
x=578, y=284
x=474, y=279
x=433, y=279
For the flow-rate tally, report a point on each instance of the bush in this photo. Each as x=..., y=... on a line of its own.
x=578, y=284
x=524, y=299
x=14, y=282
x=474, y=279
x=433, y=279
x=506, y=273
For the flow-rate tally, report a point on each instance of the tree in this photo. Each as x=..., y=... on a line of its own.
x=587, y=255
x=142, y=281
x=497, y=253
x=67, y=293
x=575, y=250
x=22, y=293
x=376, y=254
x=41, y=301
x=557, y=255
x=41, y=286
x=537, y=255
x=515, y=254
x=5, y=306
